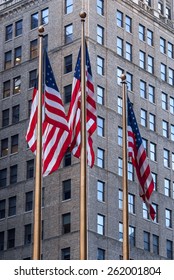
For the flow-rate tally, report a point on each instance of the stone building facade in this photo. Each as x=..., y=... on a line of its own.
x=132, y=37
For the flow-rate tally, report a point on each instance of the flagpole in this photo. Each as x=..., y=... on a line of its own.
x=83, y=158
x=38, y=171
x=125, y=179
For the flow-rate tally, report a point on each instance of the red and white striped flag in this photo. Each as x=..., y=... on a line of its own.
x=137, y=153
x=55, y=129
x=75, y=111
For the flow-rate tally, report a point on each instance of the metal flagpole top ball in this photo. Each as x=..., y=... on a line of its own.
x=123, y=77
x=82, y=15
x=41, y=29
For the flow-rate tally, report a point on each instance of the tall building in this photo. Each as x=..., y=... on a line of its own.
x=132, y=37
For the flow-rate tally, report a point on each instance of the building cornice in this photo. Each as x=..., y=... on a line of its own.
x=12, y=7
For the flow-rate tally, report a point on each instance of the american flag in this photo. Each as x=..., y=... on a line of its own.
x=75, y=111
x=138, y=156
x=55, y=129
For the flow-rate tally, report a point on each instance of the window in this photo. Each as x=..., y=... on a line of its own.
x=120, y=232
x=68, y=6
x=100, y=7
x=152, y=151
x=120, y=136
x=170, y=50
x=171, y=105
x=100, y=95
x=130, y=171
x=100, y=224
x=119, y=46
x=3, y=177
x=149, y=37
x=15, y=114
x=146, y=241
x=150, y=64
x=100, y=65
x=120, y=167
x=44, y=16
x=17, y=55
x=6, y=89
x=145, y=145
x=17, y=85
x=119, y=73
x=120, y=105
x=142, y=89
x=167, y=187
x=163, y=72
x=168, y=217
x=8, y=60
x=119, y=18
x=5, y=117
x=162, y=45
x=27, y=234
x=29, y=201
x=67, y=159
x=160, y=8
x=1, y=240
x=18, y=28
x=172, y=132
x=145, y=212
x=128, y=24
x=68, y=34
x=14, y=144
x=65, y=253
x=131, y=203
x=171, y=76
x=169, y=249
x=129, y=79
x=68, y=64
x=142, y=59
x=100, y=34
x=173, y=162
x=30, y=168
x=164, y=101
x=165, y=129
x=13, y=174
x=155, y=207
x=34, y=20
x=66, y=186
x=100, y=191
x=2, y=209
x=32, y=78
x=152, y=122
x=100, y=254
x=100, y=126
x=67, y=93
x=33, y=49
x=100, y=157
x=8, y=32
x=155, y=244
x=168, y=13
x=166, y=158
x=131, y=236
x=11, y=238
x=66, y=223
x=12, y=206
x=151, y=94
x=120, y=199
x=143, y=117
x=141, y=32
x=4, y=147
x=128, y=51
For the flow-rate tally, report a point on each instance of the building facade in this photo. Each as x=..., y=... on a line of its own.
x=132, y=37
